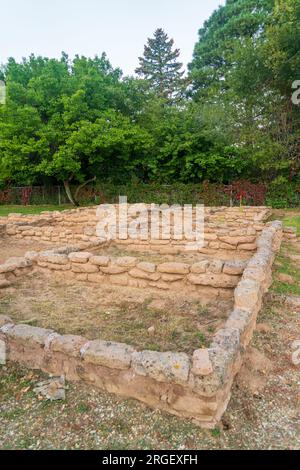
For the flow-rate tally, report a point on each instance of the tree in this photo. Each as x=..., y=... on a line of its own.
x=227, y=28
x=66, y=122
x=244, y=64
x=160, y=68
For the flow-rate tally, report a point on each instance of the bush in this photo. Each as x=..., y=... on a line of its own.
x=282, y=193
x=279, y=194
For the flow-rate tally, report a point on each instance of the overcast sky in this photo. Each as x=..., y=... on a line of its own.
x=89, y=27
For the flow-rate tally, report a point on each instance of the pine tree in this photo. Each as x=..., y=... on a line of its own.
x=159, y=66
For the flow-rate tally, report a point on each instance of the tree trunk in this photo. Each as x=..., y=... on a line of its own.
x=82, y=186
x=73, y=199
x=69, y=193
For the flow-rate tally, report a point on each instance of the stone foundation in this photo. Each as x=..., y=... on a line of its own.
x=196, y=387
x=226, y=229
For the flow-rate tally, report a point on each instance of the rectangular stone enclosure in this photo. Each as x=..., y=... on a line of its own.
x=234, y=262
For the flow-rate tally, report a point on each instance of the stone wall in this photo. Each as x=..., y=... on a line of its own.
x=14, y=268
x=226, y=229
x=129, y=271
x=195, y=387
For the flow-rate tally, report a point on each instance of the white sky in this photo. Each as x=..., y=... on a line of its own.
x=89, y=27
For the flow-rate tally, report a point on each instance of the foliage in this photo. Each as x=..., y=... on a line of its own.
x=229, y=127
x=245, y=63
x=281, y=193
x=244, y=192
x=159, y=66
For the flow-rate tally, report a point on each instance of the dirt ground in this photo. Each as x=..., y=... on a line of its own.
x=115, y=313
x=264, y=411
x=183, y=257
x=10, y=247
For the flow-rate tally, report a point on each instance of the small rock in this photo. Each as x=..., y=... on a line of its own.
x=52, y=389
x=286, y=278
x=151, y=330
x=263, y=328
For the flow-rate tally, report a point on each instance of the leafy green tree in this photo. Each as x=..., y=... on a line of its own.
x=160, y=68
x=64, y=122
x=110, y=146
x=244, y=65
x=214, y=53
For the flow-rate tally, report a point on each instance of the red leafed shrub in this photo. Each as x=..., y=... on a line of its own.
x=26, y=195
x=246, y=193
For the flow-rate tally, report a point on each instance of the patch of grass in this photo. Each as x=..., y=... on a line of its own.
x=285, y=265
x=203, y=342
x=82, y=407
x=292, y=221
x=8, y=209
x=216, y=432
x=289, y=217
x=286, y=289
x=13, y=414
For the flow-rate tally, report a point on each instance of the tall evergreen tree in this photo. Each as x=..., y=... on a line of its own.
x=160, y=67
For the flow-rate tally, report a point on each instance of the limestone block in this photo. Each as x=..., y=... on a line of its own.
x=139, y=283
x=214, y=280
x=163, y=367
x=227, y=246
x=29, y=335
x=119, y=279
x=109, y=354
x=160, y=285
x=174, y=268
x=201, y=364
x=96, y=277
x=172, y=277
x=247, y=294
x=68, y=344
x=138, y=273
x=200, y=268
x=59, y=267
x=79, y=257
x=234, y=267
x=4, y=283
x=247, y=246
x=148, y=267
x=84, y=268
x=239, y=319
x=125, y=261
x=113, y=269
x=4, y=319
x=214, y=245
x=215, y=266
x=100, y=260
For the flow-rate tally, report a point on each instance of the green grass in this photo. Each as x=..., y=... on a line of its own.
x=287, y=266
x=5, y=210
x=292, y=221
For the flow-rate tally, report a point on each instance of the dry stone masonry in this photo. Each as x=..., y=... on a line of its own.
x=195, y=386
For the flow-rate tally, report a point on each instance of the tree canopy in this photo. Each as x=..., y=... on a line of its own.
x=70, y=121
x=160, y=68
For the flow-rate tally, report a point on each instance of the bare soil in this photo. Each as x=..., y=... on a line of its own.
x=115, y=313
x=11, y=247
x=264, y=411
x=156, y=257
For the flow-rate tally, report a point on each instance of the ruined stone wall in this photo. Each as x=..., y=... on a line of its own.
x=226, y=229
x=129, y=271
x=195, y=387
x=14, y=268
